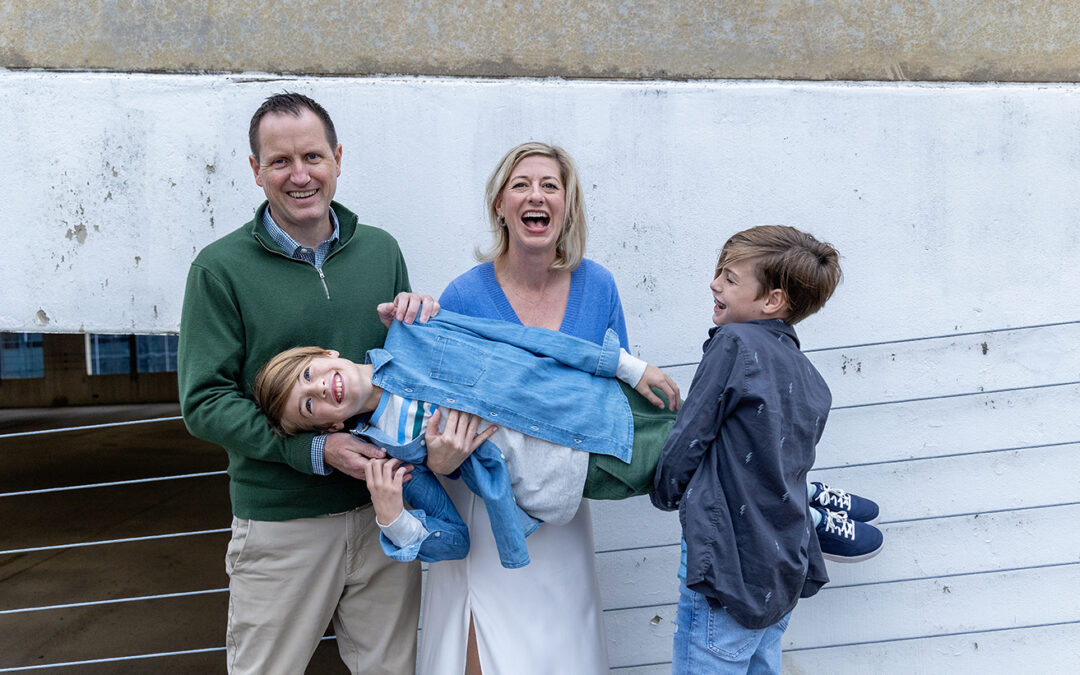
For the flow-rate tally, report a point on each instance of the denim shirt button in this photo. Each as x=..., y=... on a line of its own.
x=438, y=534
x=494, y=414
x=502, y=456
x=408, y=389
x=449, y=400
x=535, y=428
x=577, y=440
x=423, y=442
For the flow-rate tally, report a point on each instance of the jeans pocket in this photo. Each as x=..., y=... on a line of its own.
x=457, y=361
x=782, y=624
x=726, y=637
x=240, y=529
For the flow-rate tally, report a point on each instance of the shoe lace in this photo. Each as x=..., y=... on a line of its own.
x=834, y=497
x=839, y=524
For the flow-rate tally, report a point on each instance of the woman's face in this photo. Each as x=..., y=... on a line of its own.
x=533, y=203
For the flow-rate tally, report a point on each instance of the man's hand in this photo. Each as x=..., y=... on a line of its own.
x=405, y=308
x=654, y=377
x=448, y=448
x=350, y=455
x=384, y=480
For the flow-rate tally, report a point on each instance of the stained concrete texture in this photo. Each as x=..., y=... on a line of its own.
x=151, y=567
x=950, y=40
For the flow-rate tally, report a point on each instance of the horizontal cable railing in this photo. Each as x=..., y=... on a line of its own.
x=223, y=530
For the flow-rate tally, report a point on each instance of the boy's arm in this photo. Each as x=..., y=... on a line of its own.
x=713, y=392
x=433, y=531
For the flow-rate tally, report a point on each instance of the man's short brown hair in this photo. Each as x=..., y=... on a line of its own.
x=294, y=104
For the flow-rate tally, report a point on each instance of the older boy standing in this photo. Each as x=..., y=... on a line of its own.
x=736, y=461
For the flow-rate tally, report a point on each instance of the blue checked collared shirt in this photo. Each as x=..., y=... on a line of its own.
x=314, y=257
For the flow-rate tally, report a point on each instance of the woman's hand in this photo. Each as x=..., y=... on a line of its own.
x=654, y=377
x=384, y=480
x=448, y=448
x=405, y=308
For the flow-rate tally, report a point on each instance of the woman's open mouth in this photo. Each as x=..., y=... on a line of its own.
x=535, y=221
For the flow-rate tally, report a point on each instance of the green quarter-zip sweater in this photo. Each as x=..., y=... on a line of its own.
x=246, y=299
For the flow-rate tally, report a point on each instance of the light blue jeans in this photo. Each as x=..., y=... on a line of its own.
x=708, y=640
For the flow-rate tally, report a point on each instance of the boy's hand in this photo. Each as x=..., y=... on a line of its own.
x=350, y=455
x=654, y=377
x=448, y=448
x=405, y=308
x=384, y=480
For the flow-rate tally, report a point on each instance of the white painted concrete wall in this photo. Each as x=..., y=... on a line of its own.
x=952, y=205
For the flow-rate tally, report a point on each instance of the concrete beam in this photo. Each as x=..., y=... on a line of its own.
x=948, y=40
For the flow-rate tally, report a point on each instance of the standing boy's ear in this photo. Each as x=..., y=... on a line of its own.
x=775, y=302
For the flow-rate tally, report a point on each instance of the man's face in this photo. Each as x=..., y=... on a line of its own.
x=298, y=170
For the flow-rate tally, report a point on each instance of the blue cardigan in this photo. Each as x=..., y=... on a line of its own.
x=592, y=308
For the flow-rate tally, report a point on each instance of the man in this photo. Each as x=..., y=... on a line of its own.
x=305, y=546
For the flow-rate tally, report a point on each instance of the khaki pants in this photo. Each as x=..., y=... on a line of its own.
x=288, y=579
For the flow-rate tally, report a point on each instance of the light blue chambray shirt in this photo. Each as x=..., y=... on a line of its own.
x=513, y=375
x=314, y=257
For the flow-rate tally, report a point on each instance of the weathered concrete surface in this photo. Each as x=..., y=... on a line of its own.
x=945, y=40
x=927, y=190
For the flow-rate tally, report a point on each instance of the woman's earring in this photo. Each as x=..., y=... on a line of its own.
x=502, y=221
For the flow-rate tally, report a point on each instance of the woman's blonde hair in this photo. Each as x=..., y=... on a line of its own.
x=570, y=248
x=274, y=382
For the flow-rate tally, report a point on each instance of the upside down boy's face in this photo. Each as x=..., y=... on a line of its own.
x=328, y=391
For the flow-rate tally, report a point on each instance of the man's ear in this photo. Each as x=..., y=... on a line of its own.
x=334, y=428
x=332, y=353
x=776, y=301
x=255, y=167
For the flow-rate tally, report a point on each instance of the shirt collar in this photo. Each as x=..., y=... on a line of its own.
x=287, y=243
x=777, y=326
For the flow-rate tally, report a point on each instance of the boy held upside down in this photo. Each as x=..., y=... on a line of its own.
x=552, y=396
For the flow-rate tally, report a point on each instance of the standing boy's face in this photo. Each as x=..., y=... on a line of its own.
x=737, y=295
x=327, y=392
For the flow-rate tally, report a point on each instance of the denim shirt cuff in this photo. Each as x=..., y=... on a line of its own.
x=609, y=355
x=405, y=531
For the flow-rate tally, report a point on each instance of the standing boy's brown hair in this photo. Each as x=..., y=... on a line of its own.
x=805, y=269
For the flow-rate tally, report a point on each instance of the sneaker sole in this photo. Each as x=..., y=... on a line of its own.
x=852, y=559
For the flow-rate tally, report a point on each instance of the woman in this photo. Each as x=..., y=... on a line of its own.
x=544, y=617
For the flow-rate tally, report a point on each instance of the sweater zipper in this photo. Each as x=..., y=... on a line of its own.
x=322, y=277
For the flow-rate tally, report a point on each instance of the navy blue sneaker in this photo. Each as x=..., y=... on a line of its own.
x=857, y=508
x=845, y=540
